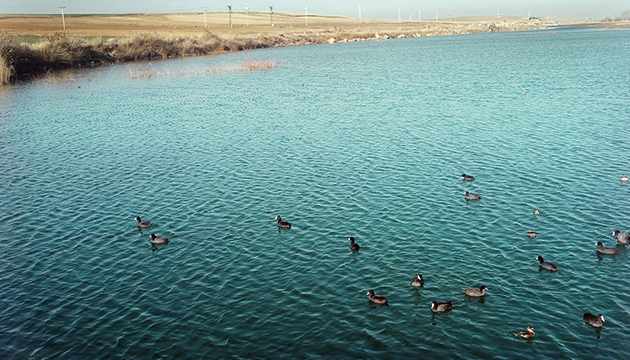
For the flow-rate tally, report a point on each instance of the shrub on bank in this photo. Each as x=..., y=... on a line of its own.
x=19, y=61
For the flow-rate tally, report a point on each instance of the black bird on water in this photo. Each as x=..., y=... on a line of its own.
x=282, y=224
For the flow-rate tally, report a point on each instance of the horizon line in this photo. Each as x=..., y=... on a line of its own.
x=294, y=14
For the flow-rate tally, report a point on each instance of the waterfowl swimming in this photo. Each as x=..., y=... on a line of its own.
x=536, y=212
x=624, y=178
x=529, y=333
x=377, y=299
x=470, y=196
x=622, y=237
x=437, y=307
x=417, y=281
x=353, y=246
x=282, y=224
x=606, y=250
x=142, y=224
x=531, y=234
x=158, y=240
x=476, y=292
x=595, y=321
x=545, y=265
x=467, y=177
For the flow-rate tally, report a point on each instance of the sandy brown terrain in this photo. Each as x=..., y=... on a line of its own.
x=256, y=23
x=32, y=45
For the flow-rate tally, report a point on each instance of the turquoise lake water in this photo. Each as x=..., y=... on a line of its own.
x=361, y=139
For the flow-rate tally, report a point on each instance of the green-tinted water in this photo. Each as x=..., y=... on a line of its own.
x=364, y=139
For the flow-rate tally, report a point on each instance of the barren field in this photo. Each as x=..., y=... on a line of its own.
x=33, y=45
x=256, y=23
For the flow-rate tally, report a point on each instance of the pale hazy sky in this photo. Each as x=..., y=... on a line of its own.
x=370, y=9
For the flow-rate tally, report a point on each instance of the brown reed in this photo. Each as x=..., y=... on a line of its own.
x=59, y=51
x=5, y=71
x=247, y=65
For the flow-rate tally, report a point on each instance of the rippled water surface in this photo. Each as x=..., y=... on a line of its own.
x=362, y=139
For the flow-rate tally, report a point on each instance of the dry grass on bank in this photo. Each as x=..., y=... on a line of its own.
x=5, y=71
x=21, y=61
x=30, y=49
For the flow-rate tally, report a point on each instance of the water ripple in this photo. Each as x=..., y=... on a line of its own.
x=210, y=163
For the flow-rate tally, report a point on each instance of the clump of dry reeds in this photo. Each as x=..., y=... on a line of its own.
x=247, y=65
x=5, y=71
x=54, y=77
x=20, y=61
x=155, y=46
x=27, y=62
x=59, y=51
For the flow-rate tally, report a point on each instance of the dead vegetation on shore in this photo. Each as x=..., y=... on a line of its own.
x=247, y=65
x=5, y=71
x=21, y=61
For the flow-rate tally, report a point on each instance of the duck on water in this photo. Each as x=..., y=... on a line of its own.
x=377, y=299
x=353, y=246
x=282, y=224
x=476, y=292
x=158, y=240
x=529, y=333
x=437, y=307
x=417, y=281
x=470, y=196
x=594, y=321
x=606, y=250
x=546, y=265
x=143, y=224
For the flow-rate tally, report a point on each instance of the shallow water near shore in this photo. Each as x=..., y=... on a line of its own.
x=360, y=139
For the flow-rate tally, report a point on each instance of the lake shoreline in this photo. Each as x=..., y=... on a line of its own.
x=368, y=140
x=33, y=46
